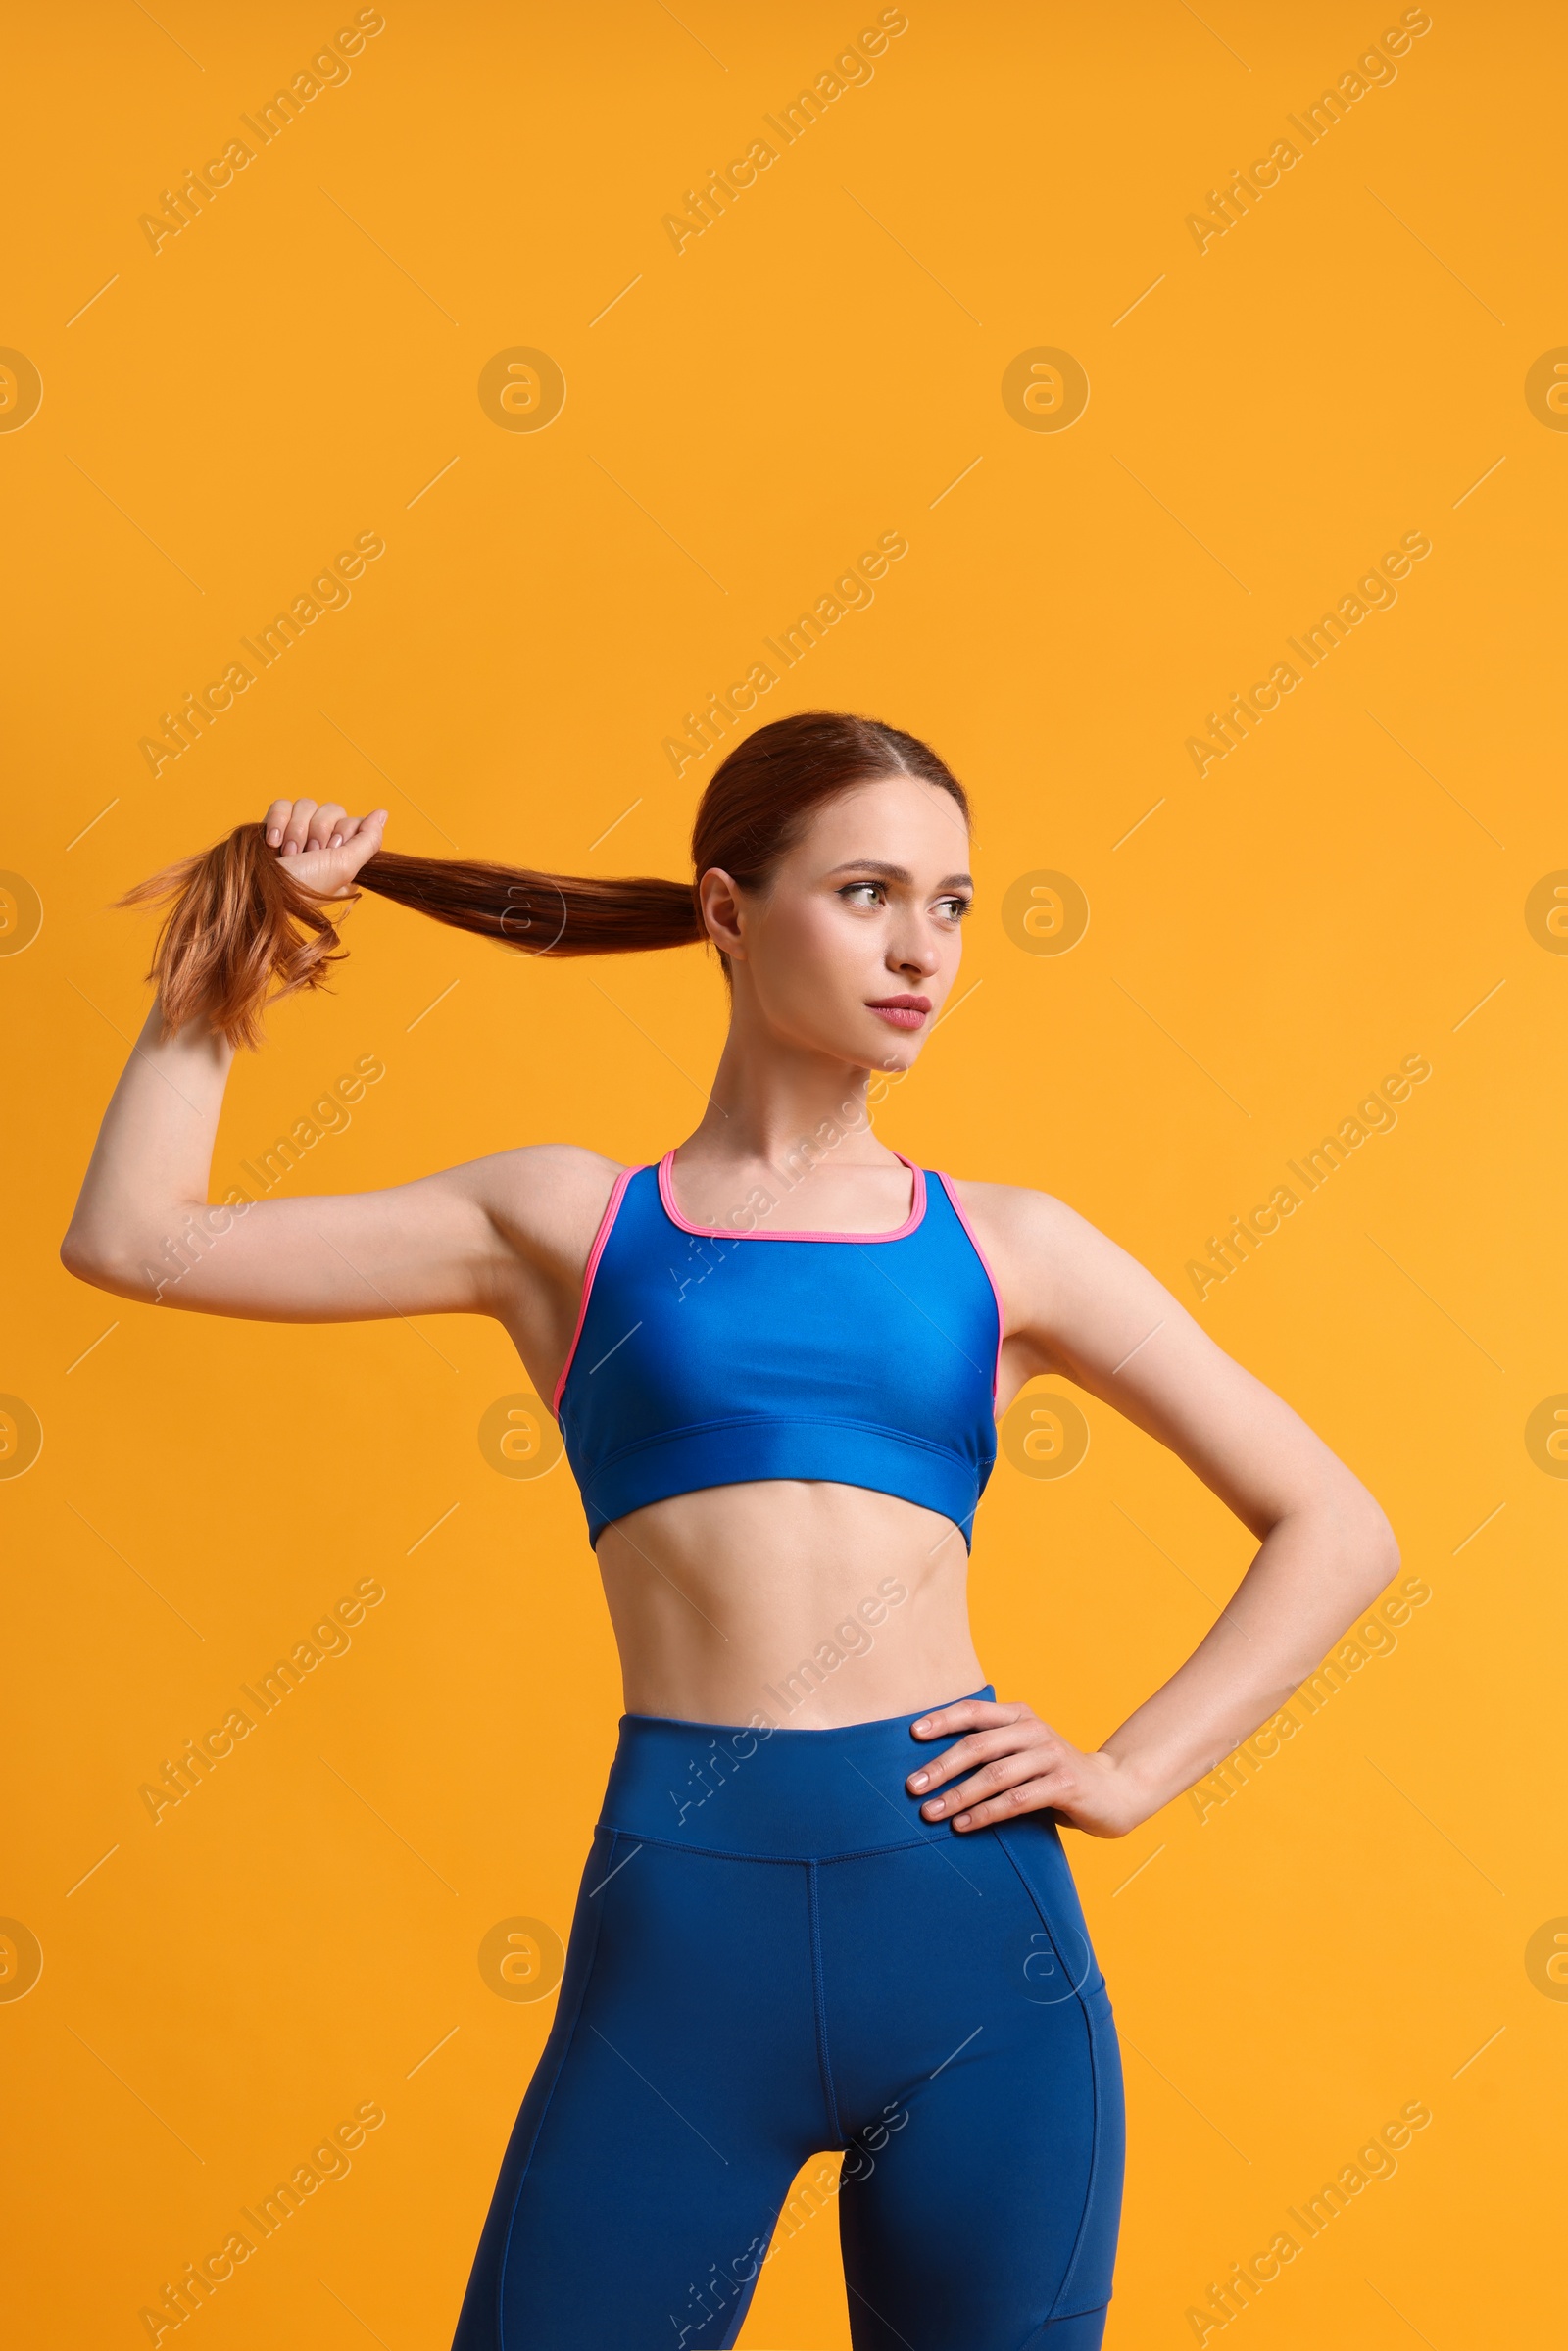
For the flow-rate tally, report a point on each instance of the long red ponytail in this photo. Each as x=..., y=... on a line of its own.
x=239, y=928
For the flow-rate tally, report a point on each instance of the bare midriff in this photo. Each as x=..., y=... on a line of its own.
x=806, y=1603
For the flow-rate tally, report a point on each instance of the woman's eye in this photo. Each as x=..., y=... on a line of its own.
x=873, y=894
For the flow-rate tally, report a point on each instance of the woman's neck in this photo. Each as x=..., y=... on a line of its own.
x=772, y=1101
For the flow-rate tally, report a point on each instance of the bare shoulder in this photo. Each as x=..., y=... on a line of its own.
x=546, y=1198
x=1020, y=1222
x=566, y=1169
x=1049, y=1264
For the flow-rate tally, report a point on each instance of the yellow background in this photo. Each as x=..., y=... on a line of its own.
x=1343, y=889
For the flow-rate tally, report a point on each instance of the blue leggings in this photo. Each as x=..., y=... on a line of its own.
x=774, y=1956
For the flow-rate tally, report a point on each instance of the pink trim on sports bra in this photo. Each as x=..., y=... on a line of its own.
x=667, y=1193
x=617, y=1193
x=1002, y=1316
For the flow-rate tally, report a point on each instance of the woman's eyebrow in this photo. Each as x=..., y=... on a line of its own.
x=896, y=873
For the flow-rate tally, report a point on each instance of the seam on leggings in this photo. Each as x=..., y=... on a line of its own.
x=1038, y=2340
x=674, y=1844
x=1056, y=2310
x=819, y=2005
x=565, y=2052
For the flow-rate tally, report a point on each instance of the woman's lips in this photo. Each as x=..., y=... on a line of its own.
x=902, y=1011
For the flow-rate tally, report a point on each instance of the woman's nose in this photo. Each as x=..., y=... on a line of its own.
x=915, y=955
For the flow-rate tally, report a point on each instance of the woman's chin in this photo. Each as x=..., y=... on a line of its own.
x=897, y=1056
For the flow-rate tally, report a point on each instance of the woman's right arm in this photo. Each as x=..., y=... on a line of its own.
x=503, y=1235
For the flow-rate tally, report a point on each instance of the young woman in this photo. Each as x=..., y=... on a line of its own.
x=826, y=1904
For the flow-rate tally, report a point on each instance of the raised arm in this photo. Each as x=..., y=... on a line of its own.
x=1080, y=1306
x=505, y=1235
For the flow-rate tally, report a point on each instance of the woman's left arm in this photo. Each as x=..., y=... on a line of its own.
x=1079, y=1306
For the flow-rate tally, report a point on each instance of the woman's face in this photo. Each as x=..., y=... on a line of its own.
x=863, y=912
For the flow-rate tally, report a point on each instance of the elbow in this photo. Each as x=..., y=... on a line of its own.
x=1353, y=1539
x=88, y=1257
x=1384, y=1548
x=78, y=1256
x=1368, y=1543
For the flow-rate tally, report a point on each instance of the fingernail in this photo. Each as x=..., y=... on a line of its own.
x=963, y=1820
x=922, y=1726
x=919, y=1780
x=336, y=841
x=274, y=838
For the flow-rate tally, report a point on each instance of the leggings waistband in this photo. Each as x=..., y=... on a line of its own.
x=772, y=1795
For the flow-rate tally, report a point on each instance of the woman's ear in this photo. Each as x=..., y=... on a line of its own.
x=719, y=898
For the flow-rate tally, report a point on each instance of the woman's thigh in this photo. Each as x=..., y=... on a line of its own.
x=934, y=2009
x=677, y=2096
x=973, y=2050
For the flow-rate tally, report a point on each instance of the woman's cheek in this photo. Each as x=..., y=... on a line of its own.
x=825, y=952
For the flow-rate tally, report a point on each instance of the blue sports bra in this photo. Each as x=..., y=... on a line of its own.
x=710, y=1357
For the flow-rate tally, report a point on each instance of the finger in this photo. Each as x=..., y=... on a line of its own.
x=298, y=825
x=278, y=815
x=1000, y=1773
x=362, y=844
x=1031, y=1796
x=962, y=1715
x=979, y=1747
x=325, y=824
